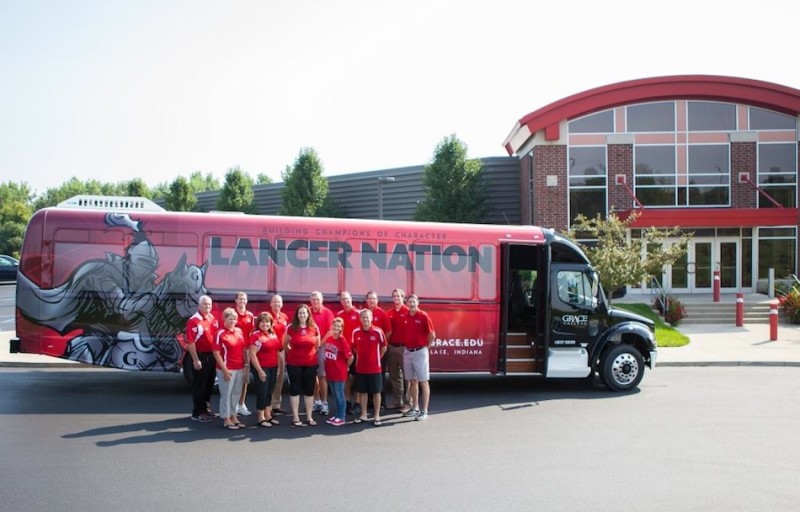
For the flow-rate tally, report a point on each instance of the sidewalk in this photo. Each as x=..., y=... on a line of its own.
x=728, y=345
x=710, y=345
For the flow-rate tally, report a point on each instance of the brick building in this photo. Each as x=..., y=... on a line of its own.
x=715, y=156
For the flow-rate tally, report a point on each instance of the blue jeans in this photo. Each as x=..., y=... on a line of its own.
x=337, y=388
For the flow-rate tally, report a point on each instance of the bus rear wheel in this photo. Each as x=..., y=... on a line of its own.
x=622, y=368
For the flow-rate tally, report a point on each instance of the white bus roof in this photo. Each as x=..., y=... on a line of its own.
x=91, y=202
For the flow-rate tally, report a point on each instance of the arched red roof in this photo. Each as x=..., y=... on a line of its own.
x=705, y=87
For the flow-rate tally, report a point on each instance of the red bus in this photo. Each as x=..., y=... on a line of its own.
x=112, y=281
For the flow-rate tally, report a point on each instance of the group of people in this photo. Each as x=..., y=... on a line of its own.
x=347, y=354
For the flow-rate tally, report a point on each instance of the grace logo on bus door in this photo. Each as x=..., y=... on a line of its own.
x=576, y=320
x=304, y=253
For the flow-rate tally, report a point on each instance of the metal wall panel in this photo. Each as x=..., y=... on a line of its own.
x=357, y=193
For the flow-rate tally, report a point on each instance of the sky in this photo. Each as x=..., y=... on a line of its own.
x=120, y=89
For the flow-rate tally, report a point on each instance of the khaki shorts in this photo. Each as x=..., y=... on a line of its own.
x=416, y=365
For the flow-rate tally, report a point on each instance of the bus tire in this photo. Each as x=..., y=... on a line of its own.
x=622, y=368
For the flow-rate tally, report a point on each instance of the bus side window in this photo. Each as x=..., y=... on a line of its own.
x=574, y=288
x=567, y=287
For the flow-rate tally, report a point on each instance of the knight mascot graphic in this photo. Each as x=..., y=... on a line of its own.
x=125, y=318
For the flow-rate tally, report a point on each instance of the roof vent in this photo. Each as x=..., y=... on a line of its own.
x=90, y=202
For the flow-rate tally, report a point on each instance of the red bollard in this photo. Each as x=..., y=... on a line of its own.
x=716, y=286
x=773, y=321
x=739, y=309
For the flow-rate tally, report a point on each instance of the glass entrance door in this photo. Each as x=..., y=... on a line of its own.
x=729, y=258
x=694, y=272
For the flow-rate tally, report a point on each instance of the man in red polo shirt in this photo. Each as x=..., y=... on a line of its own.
x=416, y=363
x=323, y=317
x=369, y=345
x=398, y=387
x=349, y=313
x=201, y=329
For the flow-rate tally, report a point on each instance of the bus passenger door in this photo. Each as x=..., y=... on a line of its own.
x=520, y=315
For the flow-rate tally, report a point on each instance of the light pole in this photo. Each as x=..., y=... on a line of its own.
x=381, y=181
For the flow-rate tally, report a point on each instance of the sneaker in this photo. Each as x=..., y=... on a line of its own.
x=336, y=422
x=210, y=412
x=317, y=405
x=323, y=409
x=243, y=410
x=422, y=416
x=202, y=418
x=411, y=413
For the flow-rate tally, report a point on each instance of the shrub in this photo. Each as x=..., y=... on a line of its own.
x=671, y=308
x=789, y=302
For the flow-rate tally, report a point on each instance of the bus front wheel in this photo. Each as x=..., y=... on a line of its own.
x=622, y=368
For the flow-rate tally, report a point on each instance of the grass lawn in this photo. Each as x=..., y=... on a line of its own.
x=666, y=336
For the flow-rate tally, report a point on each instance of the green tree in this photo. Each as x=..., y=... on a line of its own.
x=202, y=183
x=137, y=188
x=15, y=211
x=453, y=189
x=180, y=197
x=73, y=187
x=160, y=191
x=620, y=259
x=263, y=179
x=237, y=192
x=330, y=208
x=70, y=188
x=305, y=188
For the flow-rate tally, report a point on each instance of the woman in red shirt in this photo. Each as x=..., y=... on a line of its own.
x=301, y=342
x=230, y=352
x=338, y=358
x=264, y=346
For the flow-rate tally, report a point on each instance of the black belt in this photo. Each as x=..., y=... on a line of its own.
x=415, y=349
x=396, y=345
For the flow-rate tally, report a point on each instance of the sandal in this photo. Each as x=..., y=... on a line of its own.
x=265, y=424
x=360, y=419
x=240, y=425
x=312, y=423
x=377, y=423
x=274, y=421
x=231, y=426
x=298, y=424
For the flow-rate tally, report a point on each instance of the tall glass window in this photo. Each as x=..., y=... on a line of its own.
x=587, y=181
x=776, y=249
x=654, y=175
x=683, y=165
x=777, y=174
x=709, y=175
